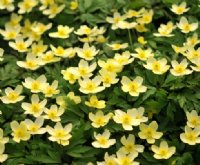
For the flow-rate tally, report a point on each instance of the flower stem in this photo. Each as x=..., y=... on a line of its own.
x=130, y=39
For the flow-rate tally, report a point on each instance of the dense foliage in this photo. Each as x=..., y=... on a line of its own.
x=106, y=82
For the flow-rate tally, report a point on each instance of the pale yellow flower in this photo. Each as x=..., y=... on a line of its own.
x=163, y=151
x=133, y=87
x=91, y=85
x=62, y=32
x=13, y=95
x=60, y=134
x=20, y=45
x=19, y=131
x=157, y=66
x=3, y=157
x=32, y=62
x=185, y=26
x=129, y=145
x=193, y=120
x=179, y=9
x=143, y=54
x=149, y=132
x=191, y=136
x=35, y=85
x=118, y=46
x=7, y=4
x=53, y=10
x=95, y=103
x=26, y=6
x=88, y=53
x=36, y=107
x=125, y=159
x=53, y=113
x=180, y=69
x=103, y=140
x=50, y=90
x=99, y=119
x=35, y=127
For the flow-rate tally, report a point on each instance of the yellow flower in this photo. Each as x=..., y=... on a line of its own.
x=146, y=18
x=129, y=146
x=20, y=131
x=134, y=87
x=111, y=65
x=3, y=140
x=108, y=78
x=133, y=13
x=38, y=48
x=32, y=62
x=143, y=54
x=60, y=134
x=51, y=90
x=185, y=26
x=179, y=9
x=40, y=28
x=102, y=140
x=95, y=103
x=196, y=61
x=108, y=160
x=191, y=136
x=36, y=107
x=1, y=54
x=73, y=5
x=192, y=41
x=12, y=95
x=124, y=58
x=35, y=85
x=14, y=20
x=149, y=132
x=99, y=119
x=165, y=30
x=53, y=10
x=54, y=113
x=180, y=69
x=163, y=151
x=35, y=127
x=126, y=159
x=126, y=25
x=84, y=30
x=63, y=32
x=26, y=6
x=141, y=28
x=69, y=75
x=10, y=32
x=45, y=4
x=76, y=99
x=192, y=54
x=133, y=117
x=91, y=85
x=3, y=157
x=193, y=120
x=84, y=69
x=141, y=40
x=118, y=46
x=7, y=4
x=157, y=66
x=20, y=45
x=178, y=49
x=88, y=53
x=115, y=20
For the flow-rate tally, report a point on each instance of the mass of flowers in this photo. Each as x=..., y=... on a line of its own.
x=99, y=82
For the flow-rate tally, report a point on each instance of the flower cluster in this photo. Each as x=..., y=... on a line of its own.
x=109, y=82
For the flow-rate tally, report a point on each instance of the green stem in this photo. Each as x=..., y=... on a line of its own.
x=130, y=39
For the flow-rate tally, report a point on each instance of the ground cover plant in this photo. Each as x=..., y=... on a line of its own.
x=99, y=82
